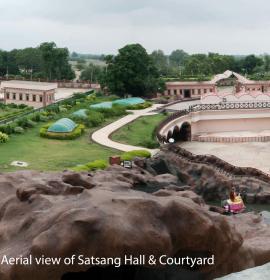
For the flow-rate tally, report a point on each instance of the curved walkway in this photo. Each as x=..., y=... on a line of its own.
x=102, y=136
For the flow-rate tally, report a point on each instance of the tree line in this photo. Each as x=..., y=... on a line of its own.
x=46, y=61
x=131, y=71
x=134, y=71
x=179, y=63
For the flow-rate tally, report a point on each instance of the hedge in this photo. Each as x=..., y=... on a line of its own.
x=140, y=106
x=136, y=153
x=92, y=166
x=77, y=132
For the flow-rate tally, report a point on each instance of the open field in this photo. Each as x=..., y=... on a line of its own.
x=139, y=131
x=50, y=155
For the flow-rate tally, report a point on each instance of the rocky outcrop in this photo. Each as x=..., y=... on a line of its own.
x=210, y=181
x=118, y=211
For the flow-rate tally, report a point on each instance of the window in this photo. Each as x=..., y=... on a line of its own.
x=169, y=91
x=27, y=97
x=7, y=95
x=175, y=92
x=199, y=91
x=14, y=96
x=40, y=98
x=20, y=96
x=192, y=91
x=205, y=90
x=211, y=90
x=34, y=97
x=181, y=91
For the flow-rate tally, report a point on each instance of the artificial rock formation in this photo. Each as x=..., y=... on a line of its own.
x=146, y=210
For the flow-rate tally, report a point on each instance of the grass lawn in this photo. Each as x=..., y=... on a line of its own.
x=50, y=155
x=139, y=131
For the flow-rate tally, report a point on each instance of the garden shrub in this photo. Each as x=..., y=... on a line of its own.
x=136, y=153
x=36, y=117
x=91, y=97
x=94, y=118
x=26, y=123
x=6, y=128
x=18, y=130
x=3, y=137
x=149, y=143
x=22, y=122
x=77, y=132
x=92, y=166
x=63, y=109
x=141, y=106
x=115, y=111
x=30, y=123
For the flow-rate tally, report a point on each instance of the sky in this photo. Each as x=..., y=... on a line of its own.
x=104, y=26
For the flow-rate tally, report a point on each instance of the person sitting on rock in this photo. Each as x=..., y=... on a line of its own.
x=233, y=194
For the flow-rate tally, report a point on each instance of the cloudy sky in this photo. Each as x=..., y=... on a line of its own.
x=104, y=26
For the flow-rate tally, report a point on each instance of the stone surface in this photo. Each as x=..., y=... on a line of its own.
x=212, y=183
x=118, y=211
x=257, y=273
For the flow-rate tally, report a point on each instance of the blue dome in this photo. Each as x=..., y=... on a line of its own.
x=80, y=113
x=129, y=101
x=102, y=105
x=62, y=126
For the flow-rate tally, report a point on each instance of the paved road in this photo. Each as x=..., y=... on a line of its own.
x=101, y=136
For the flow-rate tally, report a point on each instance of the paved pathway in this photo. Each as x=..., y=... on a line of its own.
x=101, y=136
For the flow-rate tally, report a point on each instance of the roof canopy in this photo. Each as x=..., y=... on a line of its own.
x=28, y=85
x=129, y=101
x=62, y=126
x=80, y=113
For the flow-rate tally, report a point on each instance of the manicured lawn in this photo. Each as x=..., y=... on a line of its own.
x=139, y=131
x=46, y=154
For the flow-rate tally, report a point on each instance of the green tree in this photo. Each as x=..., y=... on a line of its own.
x=8, y=65
x=55, y=62
x=92, y=73
x=29, y=60
x=161, y=61
x=250, y=62
x=131, y=71
x=177, y=58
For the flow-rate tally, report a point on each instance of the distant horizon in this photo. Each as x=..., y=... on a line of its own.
x=102, y=53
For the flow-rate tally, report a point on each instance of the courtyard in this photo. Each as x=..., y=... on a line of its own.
x=251, y=154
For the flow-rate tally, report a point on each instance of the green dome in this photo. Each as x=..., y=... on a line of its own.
x=80, y=113
x=62, y=126
x=129, y=101
x=102, y=105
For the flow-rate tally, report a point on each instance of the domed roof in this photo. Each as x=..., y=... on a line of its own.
x=102, y=105
x=129, y=101
x=62, y=125
x=80, y=113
